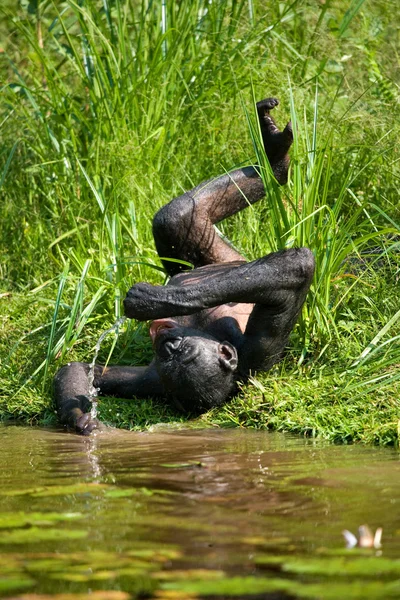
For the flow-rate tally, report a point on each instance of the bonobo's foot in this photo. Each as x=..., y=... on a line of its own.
x=85, y=424
x=276, y=143
x=267, y=104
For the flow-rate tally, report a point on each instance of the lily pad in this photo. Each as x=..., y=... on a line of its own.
x=37, y=534
x=159, y=555
x=22, y=519
x=352, y=590
x=231, y=586
x=15, y=582
x=77, y=576
x=342, y=566
x=191, y=574
x=246, y=586
x=94, y=595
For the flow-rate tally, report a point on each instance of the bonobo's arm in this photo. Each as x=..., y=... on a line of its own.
x=262, y=281
x=71, y=390
x=277, y=284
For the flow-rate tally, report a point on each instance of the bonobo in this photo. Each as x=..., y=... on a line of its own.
x=212, y=325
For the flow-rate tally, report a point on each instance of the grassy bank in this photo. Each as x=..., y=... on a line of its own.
x=111, y=109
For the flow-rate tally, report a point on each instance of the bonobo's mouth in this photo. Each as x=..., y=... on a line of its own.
x=159, y=326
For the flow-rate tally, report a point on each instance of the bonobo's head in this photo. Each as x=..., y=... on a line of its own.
x=196, y=370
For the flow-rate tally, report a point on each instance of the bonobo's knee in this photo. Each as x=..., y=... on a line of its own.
x=172, y=225
x=172, y=221
x=295, y=264
x=307, y=263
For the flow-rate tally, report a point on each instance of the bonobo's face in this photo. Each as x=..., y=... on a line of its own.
x=196, y=370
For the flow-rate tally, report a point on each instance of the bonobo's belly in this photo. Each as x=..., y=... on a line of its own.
x=226, y=322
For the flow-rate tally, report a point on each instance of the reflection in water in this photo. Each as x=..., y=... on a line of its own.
x=161, y=511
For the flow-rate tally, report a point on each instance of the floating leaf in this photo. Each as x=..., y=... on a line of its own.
x=37, y=534
x=232, y=586
x=22, y=519
x=53, y=563
x=350, y=565
x=15, y=582
x=191, y=574
x=158, y=555
x=75, y=576
x=94, y=595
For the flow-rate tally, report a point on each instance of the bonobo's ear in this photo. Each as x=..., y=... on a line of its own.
x=227, y=356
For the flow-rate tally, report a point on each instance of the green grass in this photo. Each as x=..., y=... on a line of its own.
x=110, y=109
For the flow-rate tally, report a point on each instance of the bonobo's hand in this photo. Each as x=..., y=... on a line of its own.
x=145, y=301
x=85, y=424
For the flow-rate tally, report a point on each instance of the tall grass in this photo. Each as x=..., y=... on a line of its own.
x=338, y=226
x=111, y=108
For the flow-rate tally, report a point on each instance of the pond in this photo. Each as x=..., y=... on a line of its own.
x=186, y=514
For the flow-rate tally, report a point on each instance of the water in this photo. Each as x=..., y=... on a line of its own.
x=93, y=391
x=194, y=514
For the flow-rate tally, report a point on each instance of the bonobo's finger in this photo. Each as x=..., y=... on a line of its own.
x=85, y=424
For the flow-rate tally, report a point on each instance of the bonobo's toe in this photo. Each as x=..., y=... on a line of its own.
x=289, y=128
x=85, y=424
x=268, y=103
x=288, y=133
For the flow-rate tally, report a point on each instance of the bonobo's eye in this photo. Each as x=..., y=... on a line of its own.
x=227, y=356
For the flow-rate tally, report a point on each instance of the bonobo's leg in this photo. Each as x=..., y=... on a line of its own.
x=184, y=228
x=276, y=143
x=71, y=390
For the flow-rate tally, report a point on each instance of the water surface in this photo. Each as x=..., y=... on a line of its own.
x=193, y=514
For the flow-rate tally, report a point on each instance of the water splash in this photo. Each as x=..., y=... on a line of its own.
x=93, y=391
x=91, y=444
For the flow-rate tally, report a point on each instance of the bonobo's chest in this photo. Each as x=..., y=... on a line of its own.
x=238, y=313
x=225, y=322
